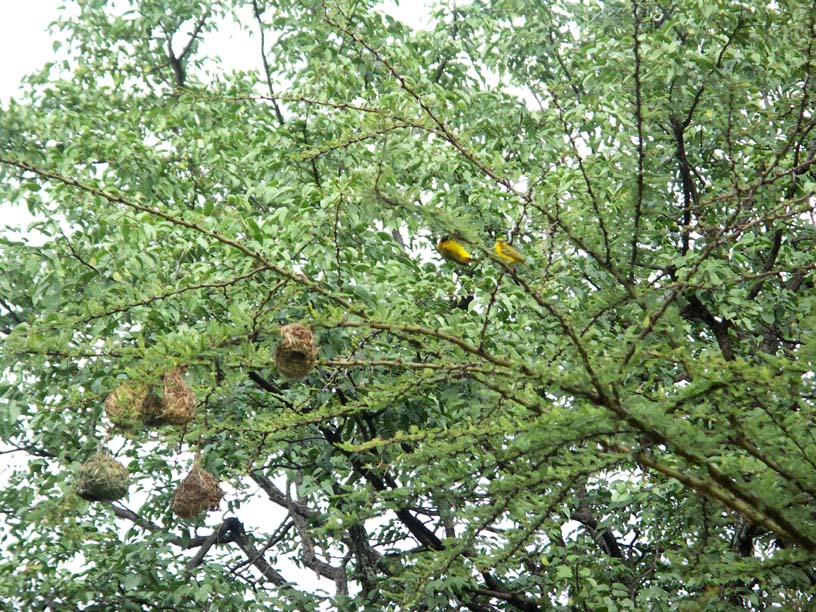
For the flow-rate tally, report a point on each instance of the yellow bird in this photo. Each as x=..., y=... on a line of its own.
x=453, y=250
x=507, y=253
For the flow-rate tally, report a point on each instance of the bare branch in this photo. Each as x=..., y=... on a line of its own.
x=267, y=70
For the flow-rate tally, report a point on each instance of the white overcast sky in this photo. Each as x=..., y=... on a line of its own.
x=25, y=44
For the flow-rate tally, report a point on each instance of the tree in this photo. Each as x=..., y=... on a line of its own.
x=621, y=422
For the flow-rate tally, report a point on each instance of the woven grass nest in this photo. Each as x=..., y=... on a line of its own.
x=102, y=478
x=178, y=403
x=127, y=405
x=296, y=354
x=170, y=403
x=198, y=492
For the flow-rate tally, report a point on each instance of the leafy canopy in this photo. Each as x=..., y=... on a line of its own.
x=623, y=422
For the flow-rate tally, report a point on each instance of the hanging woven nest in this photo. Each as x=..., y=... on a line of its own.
x=128, y=404
x=296, y=354
x=198, y=492
x=102, y=478
x=178, y=402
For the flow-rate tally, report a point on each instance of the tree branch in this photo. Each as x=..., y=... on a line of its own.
x=267, y=70
x=640, y=153
x=229, y=531
x=603, y=538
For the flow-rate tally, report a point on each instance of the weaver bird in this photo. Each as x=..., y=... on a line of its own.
x=453, y=250
x=507, y=253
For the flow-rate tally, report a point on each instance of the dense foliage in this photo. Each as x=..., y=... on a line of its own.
x=623, y=422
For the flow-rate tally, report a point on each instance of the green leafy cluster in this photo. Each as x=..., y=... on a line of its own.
x=624, y=422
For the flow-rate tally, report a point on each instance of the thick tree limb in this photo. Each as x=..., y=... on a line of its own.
x=309, y=556
x=603, y=538
x=130, y=515
x=176, y=62
x=257, y=559
x=280, y=498
x=697, y=311
x=229, y=531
